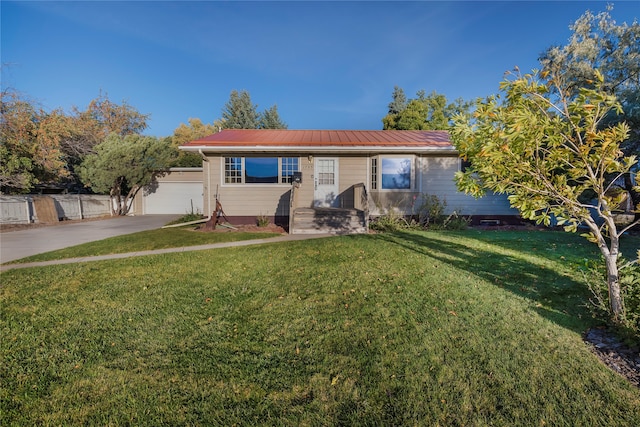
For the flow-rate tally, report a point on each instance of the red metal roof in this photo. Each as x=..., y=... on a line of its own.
x=325, y=138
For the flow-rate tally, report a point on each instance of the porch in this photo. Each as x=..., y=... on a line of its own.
x=316, y=220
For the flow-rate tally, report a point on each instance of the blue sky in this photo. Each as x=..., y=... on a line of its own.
x=326, y=65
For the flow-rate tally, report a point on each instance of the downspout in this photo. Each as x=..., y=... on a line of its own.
x=206, y=160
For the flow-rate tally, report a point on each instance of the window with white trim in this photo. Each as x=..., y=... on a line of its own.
x=396, y=173
x=325, y=169
x=289, y=166
x=374, y=173
x=233, y=170
x=260, y=170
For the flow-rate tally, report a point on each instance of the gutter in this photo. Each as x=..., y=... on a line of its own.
x=315, y=149
x=205, y=158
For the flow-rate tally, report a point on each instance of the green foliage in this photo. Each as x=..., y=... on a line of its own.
x=263, y=221
x=270, y=119
x=40, y=147
x=123, y=165
x=195, y=129
x=426, y=112
x=547, y=151
x=240, y=113
x=390, y=222
x=189, y=217
x=428, y=214
x=596, y=279
x=29, y=153
x=399, y=102
x=600, y=45
x=630, y=284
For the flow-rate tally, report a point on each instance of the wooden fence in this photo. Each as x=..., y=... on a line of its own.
x=51, y=208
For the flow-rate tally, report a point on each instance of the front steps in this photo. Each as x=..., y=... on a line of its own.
x=328, y=220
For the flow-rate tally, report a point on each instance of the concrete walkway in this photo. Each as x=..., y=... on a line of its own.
x=19, y=240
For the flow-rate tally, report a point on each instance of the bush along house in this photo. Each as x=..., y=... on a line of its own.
x=318, y=181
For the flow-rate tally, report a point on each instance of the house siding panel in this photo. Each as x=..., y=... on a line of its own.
x=437, y=178
x=353, y=170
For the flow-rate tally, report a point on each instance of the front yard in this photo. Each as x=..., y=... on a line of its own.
x=420, y=328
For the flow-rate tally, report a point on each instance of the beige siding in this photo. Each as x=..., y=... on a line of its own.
x=245, y=199
x=433, y=175
x=437, y=178
x=305, y=192
x=353, y=170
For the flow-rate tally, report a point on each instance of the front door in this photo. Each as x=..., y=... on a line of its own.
x=325, y=179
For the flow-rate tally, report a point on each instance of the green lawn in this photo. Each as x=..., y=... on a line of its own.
x=465, y=328
x=160, y=238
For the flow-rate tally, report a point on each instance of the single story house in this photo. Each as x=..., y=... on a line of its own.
x=277, y=173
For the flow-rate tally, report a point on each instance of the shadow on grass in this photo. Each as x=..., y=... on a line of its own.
x=556, y=296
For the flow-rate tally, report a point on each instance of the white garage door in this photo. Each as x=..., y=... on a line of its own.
x=174, y=198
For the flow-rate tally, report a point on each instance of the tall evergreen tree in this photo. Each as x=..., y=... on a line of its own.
x=399, y=102
x=270, y=119
x=239, y=112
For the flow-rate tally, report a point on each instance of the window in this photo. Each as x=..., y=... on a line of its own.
x=260, y=170
x=326, y=171
x=396, y=173
x=232, y=170
x=289, y=166
x=374, y=173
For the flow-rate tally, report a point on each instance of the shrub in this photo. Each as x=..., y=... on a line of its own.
x=629, y=276
x=630, y=286
x=389, y=222
x=193, y=216
x=429, y=214
x=262, y=221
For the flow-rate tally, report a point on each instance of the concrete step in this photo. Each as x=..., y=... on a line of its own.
x=328, y=220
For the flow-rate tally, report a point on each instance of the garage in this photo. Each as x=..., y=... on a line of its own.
x=177, y=192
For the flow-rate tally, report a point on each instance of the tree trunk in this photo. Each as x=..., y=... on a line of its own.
x=610, y=254
x=613, y=284
x=116, y=197
x=128, y=202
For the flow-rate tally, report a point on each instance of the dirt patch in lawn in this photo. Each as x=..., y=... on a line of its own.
x=615, y=354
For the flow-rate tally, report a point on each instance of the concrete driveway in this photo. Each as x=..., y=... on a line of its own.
x=19, y=244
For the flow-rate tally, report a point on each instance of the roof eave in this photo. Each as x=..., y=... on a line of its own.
x=316, y=149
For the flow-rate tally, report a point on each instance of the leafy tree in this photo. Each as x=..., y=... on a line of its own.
x=599, y=44
x=190, y=132
x=121, y=165
x=546, y=149
x=239, y=112
x=270, y=119
x=29, y=146
x=426, y=112
x=89, y=127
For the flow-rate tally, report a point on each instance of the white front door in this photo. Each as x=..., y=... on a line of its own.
x=325, y=177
